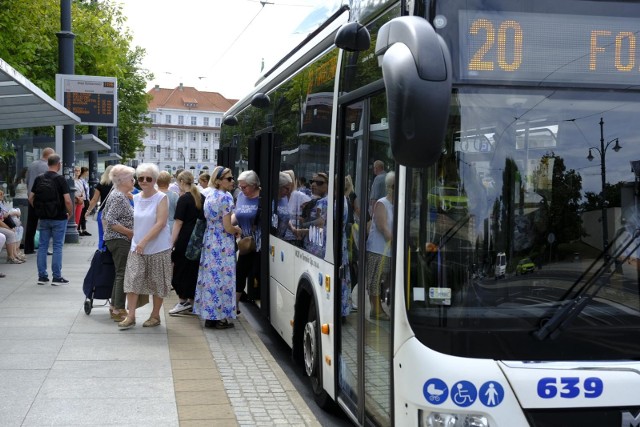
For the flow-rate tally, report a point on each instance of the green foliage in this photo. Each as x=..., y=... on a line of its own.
x=102, y=47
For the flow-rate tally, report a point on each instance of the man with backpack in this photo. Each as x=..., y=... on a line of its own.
x=51, y=202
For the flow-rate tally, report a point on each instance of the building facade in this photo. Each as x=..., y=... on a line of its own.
x=185, y=129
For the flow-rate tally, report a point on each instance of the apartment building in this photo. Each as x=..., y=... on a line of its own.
x=185, y=129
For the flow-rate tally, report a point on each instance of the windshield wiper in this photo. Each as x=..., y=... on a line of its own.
x=571, y=308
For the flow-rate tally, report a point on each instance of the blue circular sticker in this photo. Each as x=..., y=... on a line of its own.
x=491, y=394
x=463, y=393
x=435, y=391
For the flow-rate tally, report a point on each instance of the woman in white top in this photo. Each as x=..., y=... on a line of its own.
x=378, y=247
x=149, y=262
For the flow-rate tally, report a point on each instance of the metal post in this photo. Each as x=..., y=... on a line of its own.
x=66, y=66
x=603, y=173
x=93, y=161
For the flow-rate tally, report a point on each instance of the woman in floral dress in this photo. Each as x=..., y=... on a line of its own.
x=215, y=300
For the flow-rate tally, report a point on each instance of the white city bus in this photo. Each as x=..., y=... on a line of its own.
x=506, y=128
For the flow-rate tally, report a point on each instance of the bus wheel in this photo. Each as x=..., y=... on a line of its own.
x=312, y=352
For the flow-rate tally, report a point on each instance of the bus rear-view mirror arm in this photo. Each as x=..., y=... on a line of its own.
x=416, y=68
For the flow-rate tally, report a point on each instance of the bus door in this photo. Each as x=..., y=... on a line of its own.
x=365, y=167
x=264, y=159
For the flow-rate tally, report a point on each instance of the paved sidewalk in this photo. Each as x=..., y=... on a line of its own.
x=61, y=367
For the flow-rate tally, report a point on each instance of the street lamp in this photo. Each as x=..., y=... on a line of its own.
x=603, y=174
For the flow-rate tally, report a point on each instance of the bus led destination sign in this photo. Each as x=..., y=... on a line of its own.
x=549, y=48
x=92, y=98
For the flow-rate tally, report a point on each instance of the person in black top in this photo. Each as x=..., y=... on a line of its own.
x=100, y=193
x=185, y=271
x=53, y=225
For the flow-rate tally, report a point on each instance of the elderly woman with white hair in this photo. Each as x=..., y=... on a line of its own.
x=117, y=218
x=149, y=261
x=247, y=216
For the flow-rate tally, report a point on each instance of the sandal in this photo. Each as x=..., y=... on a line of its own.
x=223, y=324
x=127, y=323
x=14, y=261
x=151, y=322
x=2, y=275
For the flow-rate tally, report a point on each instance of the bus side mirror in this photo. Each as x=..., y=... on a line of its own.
x=416, y=68
x=230, y=120
x=353, y=37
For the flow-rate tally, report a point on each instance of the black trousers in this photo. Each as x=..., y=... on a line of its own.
x=30, y=230
x=248, y=275
x=83, y=217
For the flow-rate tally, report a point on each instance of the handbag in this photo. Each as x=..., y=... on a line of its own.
x=194, y=247
x=246, y=245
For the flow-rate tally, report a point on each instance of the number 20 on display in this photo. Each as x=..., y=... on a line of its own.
x=570, y=387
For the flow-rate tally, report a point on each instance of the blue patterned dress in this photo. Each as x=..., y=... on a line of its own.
x=216, y=287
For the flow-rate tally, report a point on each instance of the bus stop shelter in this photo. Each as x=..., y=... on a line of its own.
x=24, y=105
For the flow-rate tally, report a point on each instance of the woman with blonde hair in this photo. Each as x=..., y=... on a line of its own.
x=215, y=300
x=100, y=194
x=149, y=261
x=164, y=179
x=185, y=271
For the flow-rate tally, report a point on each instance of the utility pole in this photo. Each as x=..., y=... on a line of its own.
x=66, y=66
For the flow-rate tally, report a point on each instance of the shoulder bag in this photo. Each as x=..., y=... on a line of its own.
x=194, y=247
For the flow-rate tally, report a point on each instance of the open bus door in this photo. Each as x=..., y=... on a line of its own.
x=365, y=339
x=264, y=159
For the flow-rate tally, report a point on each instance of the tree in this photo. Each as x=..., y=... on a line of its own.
x=102, y=47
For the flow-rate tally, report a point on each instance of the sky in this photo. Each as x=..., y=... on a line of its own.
x=216, y=45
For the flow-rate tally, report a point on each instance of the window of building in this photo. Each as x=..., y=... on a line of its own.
x=168, y=135
x=194, y=120
x=205, y=121
x=154, y=118
x=180, y=136
x=153, y=152
x=192, y=154
x=193, y=136
x=205, y=154
x=180, y=120
x=167, y=153
x=153, y=135
x=167, y=119
x=206, y=136
x=180, y=153
x=216, y=136
x=218, y=121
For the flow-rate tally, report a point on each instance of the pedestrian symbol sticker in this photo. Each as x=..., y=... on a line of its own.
x=464, y=393
x=435, y=391
x=491, y=394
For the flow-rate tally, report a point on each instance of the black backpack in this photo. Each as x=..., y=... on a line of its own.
x=46, y=200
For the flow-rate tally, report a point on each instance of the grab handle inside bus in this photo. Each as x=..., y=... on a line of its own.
x=416, y=68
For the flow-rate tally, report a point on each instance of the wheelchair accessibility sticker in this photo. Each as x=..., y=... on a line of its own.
x=463, y=393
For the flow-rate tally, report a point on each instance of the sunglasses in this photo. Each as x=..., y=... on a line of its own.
x=145, y=179
x=229, y=178
x=317, y=182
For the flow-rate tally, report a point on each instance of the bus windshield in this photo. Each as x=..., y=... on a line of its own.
x=532, y=207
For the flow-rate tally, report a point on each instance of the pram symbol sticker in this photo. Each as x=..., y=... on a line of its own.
x=491, y=394
x=464, y=393
x=435, y=391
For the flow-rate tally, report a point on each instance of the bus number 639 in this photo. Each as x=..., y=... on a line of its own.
x=569, y=387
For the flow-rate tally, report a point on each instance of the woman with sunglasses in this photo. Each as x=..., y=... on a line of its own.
x=247, y=216
x=314, y=216
x=149, y=262
x=214, y=300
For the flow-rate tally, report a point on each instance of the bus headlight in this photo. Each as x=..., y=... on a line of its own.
x=444, y=419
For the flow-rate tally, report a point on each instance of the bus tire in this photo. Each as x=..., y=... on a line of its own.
x=312, y=350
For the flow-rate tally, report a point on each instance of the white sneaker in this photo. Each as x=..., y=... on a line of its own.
x=180, y=307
